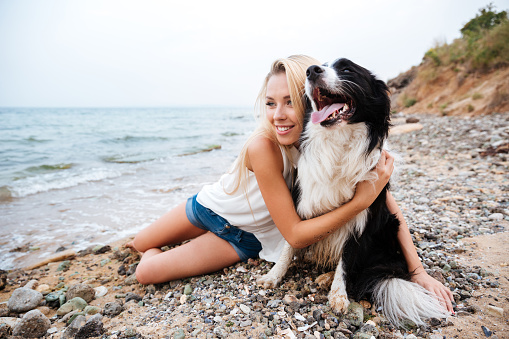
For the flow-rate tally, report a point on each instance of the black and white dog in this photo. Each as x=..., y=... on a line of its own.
x=340, y=145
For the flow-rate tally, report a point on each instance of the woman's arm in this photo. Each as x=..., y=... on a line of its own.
x=266, y=162
x=414, y=264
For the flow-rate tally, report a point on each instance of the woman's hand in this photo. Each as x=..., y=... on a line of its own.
x=367, y=191
x=434, y=286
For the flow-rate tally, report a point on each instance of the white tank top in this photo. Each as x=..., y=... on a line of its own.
x=251, y=214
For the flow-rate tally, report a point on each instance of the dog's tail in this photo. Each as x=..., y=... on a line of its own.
x=401, y=299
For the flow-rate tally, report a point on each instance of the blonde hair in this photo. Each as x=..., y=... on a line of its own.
x=294, y=67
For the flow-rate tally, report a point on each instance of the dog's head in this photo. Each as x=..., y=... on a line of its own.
x=346, y=93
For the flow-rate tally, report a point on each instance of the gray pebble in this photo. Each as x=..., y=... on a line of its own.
x=24, y=299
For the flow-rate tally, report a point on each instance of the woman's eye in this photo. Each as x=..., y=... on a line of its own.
x=270, y=104
x=289, y=102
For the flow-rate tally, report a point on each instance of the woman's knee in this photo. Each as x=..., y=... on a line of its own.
x=144, y=274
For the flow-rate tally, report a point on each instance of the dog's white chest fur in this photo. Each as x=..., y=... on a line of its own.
x=333, y=162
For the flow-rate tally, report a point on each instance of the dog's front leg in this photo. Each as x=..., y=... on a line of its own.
x=272, y=279
x=338, y=298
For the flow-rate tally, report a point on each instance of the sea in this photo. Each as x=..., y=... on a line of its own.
x=71, y=178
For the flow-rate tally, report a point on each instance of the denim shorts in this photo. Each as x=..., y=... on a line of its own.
x=245, y=244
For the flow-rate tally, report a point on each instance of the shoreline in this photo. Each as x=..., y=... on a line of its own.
x=225, y=301
x=453, y=198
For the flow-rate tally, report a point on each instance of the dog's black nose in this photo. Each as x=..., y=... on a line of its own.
x=314, y=71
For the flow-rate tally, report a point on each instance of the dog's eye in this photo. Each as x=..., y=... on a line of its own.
x=346, y=70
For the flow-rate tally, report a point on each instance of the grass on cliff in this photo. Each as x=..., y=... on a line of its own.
x=484, y=46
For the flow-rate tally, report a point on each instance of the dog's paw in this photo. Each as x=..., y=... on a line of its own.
x=338, y=302
x=268, y=280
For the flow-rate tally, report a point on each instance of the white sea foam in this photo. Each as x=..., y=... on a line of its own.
x=59, y=180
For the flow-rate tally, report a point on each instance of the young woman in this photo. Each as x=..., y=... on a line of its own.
x=249, y=212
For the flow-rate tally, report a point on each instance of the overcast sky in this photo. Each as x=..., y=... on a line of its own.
x=206, y=52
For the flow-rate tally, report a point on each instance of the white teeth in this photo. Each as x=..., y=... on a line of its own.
x=282, y=128
x=345, y=108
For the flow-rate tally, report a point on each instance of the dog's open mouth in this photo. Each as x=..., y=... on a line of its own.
x=331, y=108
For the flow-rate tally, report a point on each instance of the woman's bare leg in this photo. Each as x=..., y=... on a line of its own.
x=205, y=254
x=171, y=228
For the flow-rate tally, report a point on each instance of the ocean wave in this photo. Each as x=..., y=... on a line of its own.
x=202, y=150
x=54, y=181
x=134, y=139
x=48, y=168
x=127, y=159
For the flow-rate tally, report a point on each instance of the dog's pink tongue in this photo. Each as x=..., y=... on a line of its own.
x=318, y=117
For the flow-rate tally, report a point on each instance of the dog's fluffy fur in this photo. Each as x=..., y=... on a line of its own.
x=340, y=146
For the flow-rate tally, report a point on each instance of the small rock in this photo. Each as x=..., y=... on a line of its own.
x=83, y=291
x=188, y=289
x=91, y=310
x=72, y=305
x=412, y=120
x=99, y=249
x=5, y=330
x=43, y=288
x=179, y=334
x=496, y=311
x=32, y=284
x=73, y=327
x=24, y=299
x=132, y=296
x=100, y=291
x=370, y=329
x=94, y=327
x=33, y=325
x=496, y=216
x=64, y=265
x=355, y=314
x=3, y=279
x=131, y=280
x=486, y=331
x=113, y=309
x=245, y=309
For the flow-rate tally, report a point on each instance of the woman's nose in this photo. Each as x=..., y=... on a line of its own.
x=279, y=114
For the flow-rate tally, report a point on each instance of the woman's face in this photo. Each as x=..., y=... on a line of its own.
x=280, y=112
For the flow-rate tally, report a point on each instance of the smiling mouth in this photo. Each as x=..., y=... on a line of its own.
x=283, y=128
x=332, y=108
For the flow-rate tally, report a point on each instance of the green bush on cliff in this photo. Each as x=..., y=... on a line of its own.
x=484, y=44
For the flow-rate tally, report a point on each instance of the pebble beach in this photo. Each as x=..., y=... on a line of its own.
x=452, y=184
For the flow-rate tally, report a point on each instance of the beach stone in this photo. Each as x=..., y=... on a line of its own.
x=113, y=309
x=94, y=327
x=74, y=304
x=32, y=284
x=5, y=330
x=179, y=334
x=99, y=249
x=64, y=265
x=369, y=329
x=496, y=216
x=496, y=311
x=188, y=289
x=3, y=279
x=91, y=310
x=83, y=291
x=24, y=299
x=43, y=288
x=33, y=325
x=132, y=296
x=100, y=291
x=74, y=326
x=355, y=314
x=362, y=335
x=131, y=280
